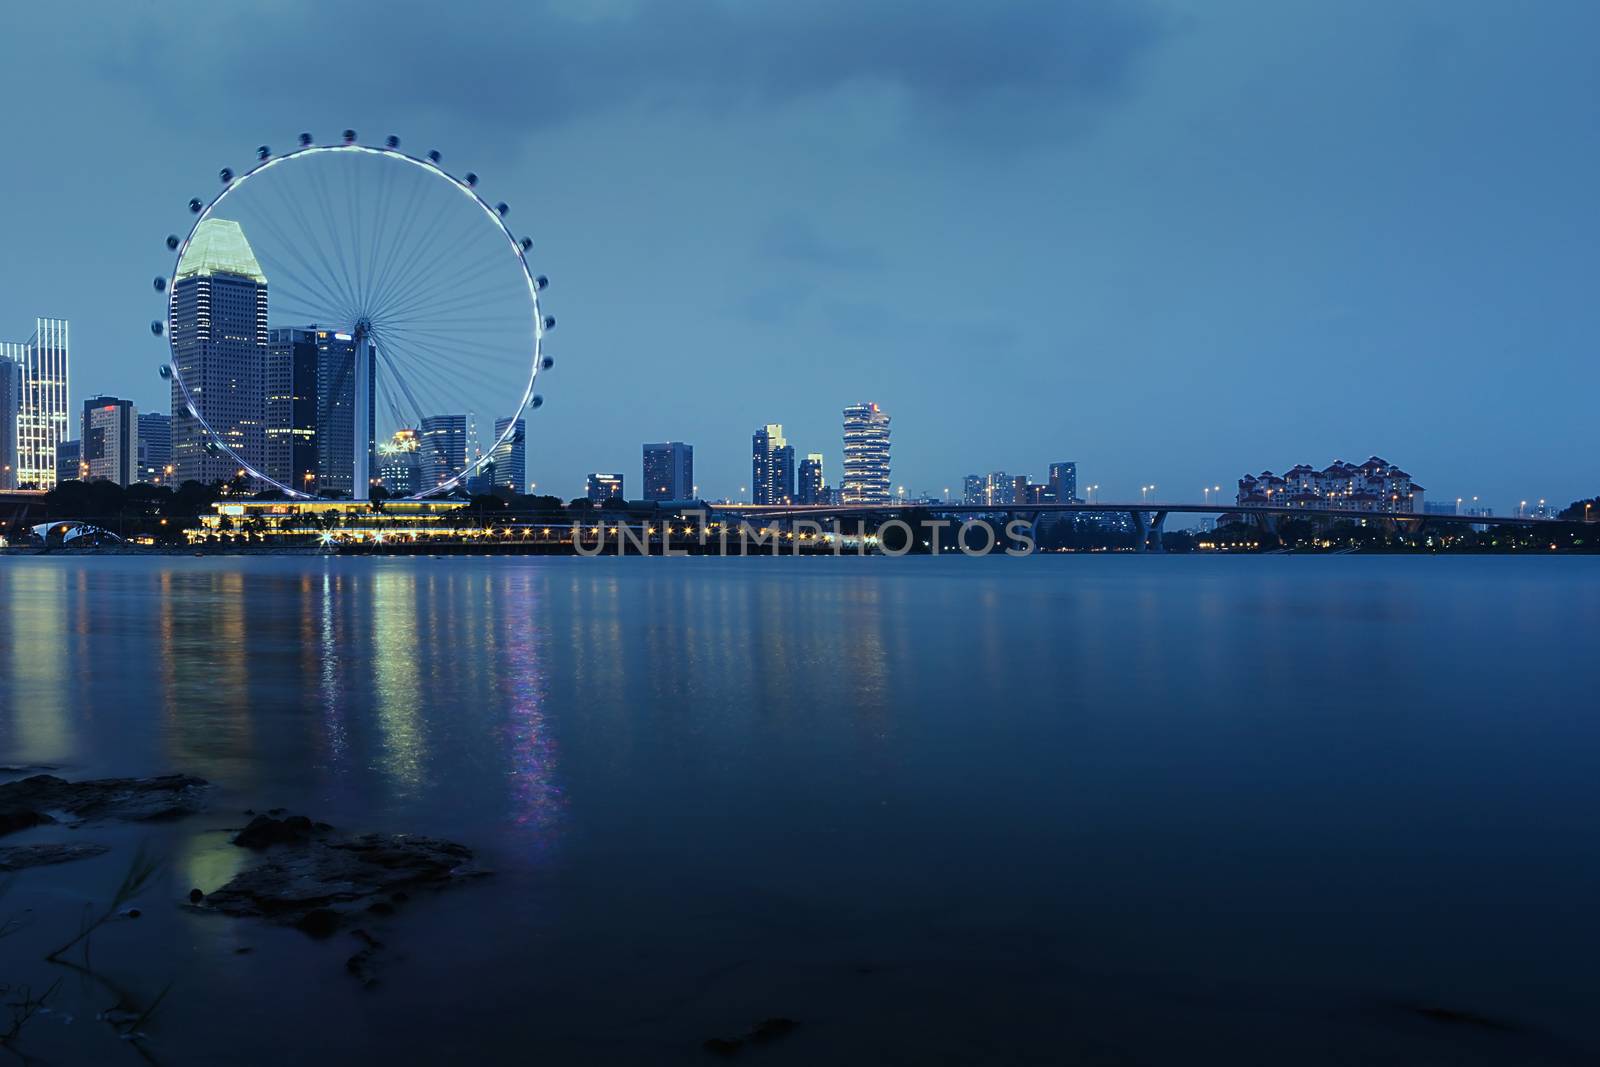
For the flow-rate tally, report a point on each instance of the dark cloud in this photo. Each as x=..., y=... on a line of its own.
x=542, y=63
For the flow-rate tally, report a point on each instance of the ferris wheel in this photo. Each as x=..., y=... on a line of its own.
x=339, y=303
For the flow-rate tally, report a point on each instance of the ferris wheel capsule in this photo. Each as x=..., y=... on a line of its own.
x=195, y=205
x=263, y=153
x=536, y=401
x=172, y=242
x=226, y=175
x=503, y=208
x=549, y=322
x=156, y=327
x=542, y=282
x=434, y=156
x=547, y=362
x=527, y=244
x=161, y=283
x=472, y=179
x=305, y=140
x=165, y=370
x=392, y=141
x=349, y=137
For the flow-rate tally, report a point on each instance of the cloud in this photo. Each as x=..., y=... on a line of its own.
x=794, y=240
x=538, y=64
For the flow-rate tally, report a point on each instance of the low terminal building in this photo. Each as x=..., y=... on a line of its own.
x=336, y=521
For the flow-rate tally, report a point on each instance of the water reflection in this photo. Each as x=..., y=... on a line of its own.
x=35, y=610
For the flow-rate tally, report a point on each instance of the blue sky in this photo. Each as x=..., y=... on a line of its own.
x=1173, y=241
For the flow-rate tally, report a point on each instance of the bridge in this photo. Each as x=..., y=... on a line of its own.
x=1147, y=518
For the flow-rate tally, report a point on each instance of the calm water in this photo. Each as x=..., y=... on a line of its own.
x=1100, y=810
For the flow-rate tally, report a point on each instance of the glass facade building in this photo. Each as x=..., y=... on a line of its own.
x=510, y=457
x=291, y=394
x=811, y=484
x=10, y=408
x=219, y=338
x=110, y=441
x=443, y=449
x=602, y=487
x=155, y=448
x=42, y=421
x=771, y=466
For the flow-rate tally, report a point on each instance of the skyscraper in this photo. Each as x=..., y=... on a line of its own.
x=10, y=405
x=344, y=421
x=510, y=457
x=669, y=471
x=444, y=448
x=110, y=441
x=811, y=483
x=219, y=340
x=998, y=488
x=68, y=463
x=771, y=466
x=291, y=397
x=41, y=418
x=866, y=455
x=972, y=489
x=1064, y=482
x=155, y=447
x=602, y=487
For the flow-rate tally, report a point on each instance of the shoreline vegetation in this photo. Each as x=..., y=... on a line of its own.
x=158, y=520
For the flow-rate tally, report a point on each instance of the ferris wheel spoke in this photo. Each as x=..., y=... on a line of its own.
x=441, y=369
x=310, y=240
x=324, y=290
x=399, y=242
x=417, y=263
x=331, y=220
x=426, y=259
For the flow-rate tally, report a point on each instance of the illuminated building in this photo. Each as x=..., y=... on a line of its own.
x=602, y=487
x=338, y=521
x=10, y=406
x=399, y=464
x=1063, y=485
x=812, y=488
x=155, y=447
x=68, y=463
x=41, y=413
x=291, y=397
x=110, y=441
x=344, y=463
x=669, y=471
x=866, y=455
x=1376, y=485
x=219, y=338
x=510, y=457
x=443, y=449
x=972, y=489
x=771, y=466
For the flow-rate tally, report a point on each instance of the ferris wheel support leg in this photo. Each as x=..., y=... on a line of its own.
x=361, y=414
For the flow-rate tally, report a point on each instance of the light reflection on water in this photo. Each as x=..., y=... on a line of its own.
x=1297, y=773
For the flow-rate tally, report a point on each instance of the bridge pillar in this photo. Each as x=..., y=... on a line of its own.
x=1156, y=529
x=1141, y=531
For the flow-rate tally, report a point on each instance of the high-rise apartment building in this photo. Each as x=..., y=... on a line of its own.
x=602, y=487
x=771, y=466
x=110, y=441
x=1063, y=483
x=866, y=455
x=999, y=488
x=155, y=448
x=510, y=457
x=669, y=471
x=443, y=449
x=219, y=339
x=812, y=485
x=10, y=407
x=972, y=489
x=41, y=416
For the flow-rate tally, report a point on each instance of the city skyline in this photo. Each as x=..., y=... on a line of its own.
x=1141, y=269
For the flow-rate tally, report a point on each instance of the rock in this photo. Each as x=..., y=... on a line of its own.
x=20, y=857
x=772, y=1029
x=363, y=964
x=264, y=831
x=28, y=801
x=195, y=896
x=21, y=819
x=312, y=879
x=130, y=913
x=318, y=922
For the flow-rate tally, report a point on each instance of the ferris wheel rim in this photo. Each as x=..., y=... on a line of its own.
x=429, y=166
